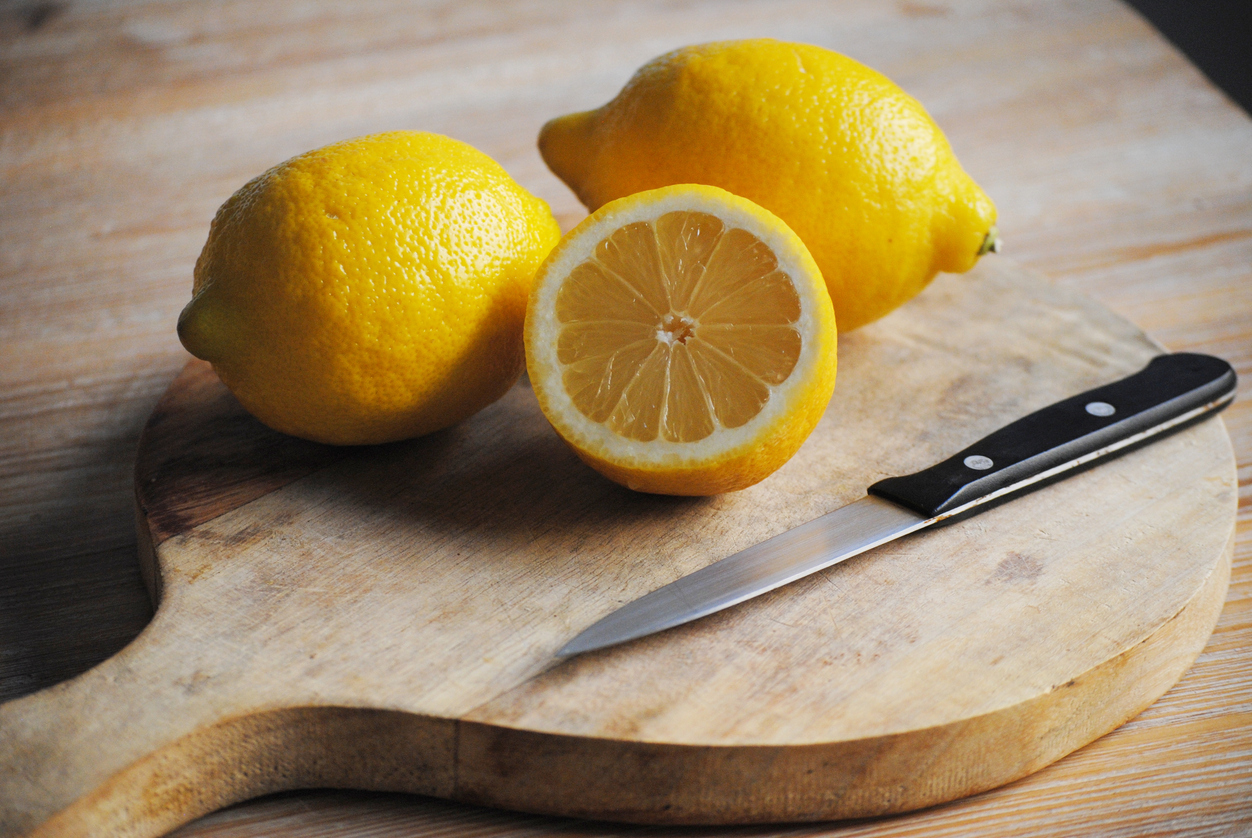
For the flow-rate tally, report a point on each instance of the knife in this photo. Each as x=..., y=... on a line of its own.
x=1170, y=393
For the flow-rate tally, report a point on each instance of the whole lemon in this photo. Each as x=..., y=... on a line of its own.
x=853, y=164
x=371, y=290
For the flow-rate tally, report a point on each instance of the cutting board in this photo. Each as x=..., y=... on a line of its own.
x=386, y=617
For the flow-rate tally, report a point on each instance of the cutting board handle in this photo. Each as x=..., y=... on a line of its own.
x=109, y=752
x=142, y=744
x=70, y=755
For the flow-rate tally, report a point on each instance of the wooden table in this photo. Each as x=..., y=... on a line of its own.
x=1117, y=168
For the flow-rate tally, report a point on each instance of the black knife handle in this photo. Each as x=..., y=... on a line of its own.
x=1169, y=393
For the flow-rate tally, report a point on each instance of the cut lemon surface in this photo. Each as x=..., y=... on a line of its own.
x=682, y=341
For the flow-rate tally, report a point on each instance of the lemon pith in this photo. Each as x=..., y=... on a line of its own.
x=371, y=290
x=681, y=341
x=853, y=164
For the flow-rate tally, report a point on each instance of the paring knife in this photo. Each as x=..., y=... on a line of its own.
x=1171, y=392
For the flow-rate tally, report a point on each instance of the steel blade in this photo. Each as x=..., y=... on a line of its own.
x=788, y=556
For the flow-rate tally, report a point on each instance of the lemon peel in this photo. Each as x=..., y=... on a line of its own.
x=852, y=163
x=371, y=290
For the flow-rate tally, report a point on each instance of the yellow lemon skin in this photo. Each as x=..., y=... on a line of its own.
x=369, y=291
x=853, y=164
x=730, y=459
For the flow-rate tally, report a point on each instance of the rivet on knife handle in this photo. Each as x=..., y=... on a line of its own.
x=1167, y=394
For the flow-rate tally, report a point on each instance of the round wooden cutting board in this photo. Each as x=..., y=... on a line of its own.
x=386, y=617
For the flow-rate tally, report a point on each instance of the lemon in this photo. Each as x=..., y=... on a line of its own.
x=853, y=164
x=681, y=340
x=371, y=290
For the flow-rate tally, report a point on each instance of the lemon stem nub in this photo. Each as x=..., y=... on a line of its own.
x=201, y=328
x=990, y=242
x=190, y=329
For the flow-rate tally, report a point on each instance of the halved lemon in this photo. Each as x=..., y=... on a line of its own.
x=682, y=341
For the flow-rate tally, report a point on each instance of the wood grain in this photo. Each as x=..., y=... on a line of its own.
x=1118, y=170
x=415, y=594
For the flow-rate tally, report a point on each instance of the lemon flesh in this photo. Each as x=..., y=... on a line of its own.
x=682, y=341
x=703, y=354
x=853, y=164
x=370, y=291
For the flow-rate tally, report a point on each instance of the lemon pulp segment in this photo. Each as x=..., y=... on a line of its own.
x=675, y=327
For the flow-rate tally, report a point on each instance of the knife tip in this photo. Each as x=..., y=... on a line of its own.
x=573, y=648
x=585, y=642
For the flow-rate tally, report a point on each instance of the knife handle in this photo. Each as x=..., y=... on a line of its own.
x=1171, y=392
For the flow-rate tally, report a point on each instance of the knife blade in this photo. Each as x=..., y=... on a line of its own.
x=1170, y=393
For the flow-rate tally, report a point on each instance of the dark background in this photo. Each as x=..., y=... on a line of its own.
x=1215, y=34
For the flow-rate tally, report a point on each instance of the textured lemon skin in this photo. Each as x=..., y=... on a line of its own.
x=752, y=460
x=853, y=164
x=369, y=291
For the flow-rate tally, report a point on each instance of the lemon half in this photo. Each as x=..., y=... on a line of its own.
x=682, y=341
